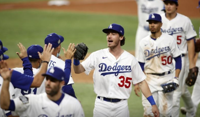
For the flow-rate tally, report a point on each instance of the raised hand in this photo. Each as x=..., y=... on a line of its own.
x=6, y=73
x=70, y=51
x=46, y=54
x=23, y=52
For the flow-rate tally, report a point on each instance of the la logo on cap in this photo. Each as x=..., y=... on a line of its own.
x=110, y=26
x=152, y=16
x=59, y=41
x=51, y=70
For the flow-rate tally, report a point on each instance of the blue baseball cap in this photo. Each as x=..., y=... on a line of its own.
x=3, y=56
x=33, y=51
x=56, y=73
x=2, y=48
x=115, y=27
x=54, y=39
x=199, y=4
x=154, y=17
x=175, y=1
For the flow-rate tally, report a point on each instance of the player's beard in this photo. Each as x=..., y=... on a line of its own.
x=53, y=90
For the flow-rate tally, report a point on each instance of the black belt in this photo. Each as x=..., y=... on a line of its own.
x=183, y=55
x=161, y=74
x=109, y=99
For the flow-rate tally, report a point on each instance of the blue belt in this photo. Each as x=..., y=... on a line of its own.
x=109, y=99
x=161, y=74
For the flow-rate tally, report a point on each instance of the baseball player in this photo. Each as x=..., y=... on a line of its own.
x=56, y=41
x=52, y=103
x=157, y=51
x=145, y=7
x=181, y=28
x=115, y=70
x=195, y=92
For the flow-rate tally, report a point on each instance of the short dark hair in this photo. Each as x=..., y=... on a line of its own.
x=33, y=59
x=171, y=2
x=122, y=41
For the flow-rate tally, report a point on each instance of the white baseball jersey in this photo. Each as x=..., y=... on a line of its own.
x=158, y=56
x=41, y=89
x=56, y=62
x=113, y=77
x=41, y=106
x=145, y=8
x=11, y=91
x=180, y=28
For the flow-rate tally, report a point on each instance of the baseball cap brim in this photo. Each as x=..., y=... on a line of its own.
x=5, y=57
x=50, y=75
x=107, y=30
x=153, y=20
x=4, y=49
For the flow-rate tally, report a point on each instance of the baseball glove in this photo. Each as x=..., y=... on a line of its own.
x=197, y=45
x=192, y=76
x=170, y=86
x=81, y=51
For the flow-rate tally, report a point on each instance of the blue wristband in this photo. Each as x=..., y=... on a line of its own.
x=76, y=62
x=151, y=100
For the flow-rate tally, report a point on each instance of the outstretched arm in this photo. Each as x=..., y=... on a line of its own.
x=147, y=93
x=24, y=57
x=45, y=57
x=5, y=96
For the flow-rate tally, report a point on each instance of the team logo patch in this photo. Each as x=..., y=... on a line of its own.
x=24, y=99
x=51, y=70
x=30, y=56
x=152, y=16
x=110, y=26
x=59, y=41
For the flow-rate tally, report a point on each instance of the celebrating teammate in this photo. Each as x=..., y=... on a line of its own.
x=156, y=53
x=145, y=7
x=115, y=72
x=51, y=103
x=181, y=28
x=55, y=61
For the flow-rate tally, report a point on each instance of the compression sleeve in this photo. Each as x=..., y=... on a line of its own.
x=67, y=70
x=27, y=66
x=178, y=64
x=68, y=89
x=21, y=81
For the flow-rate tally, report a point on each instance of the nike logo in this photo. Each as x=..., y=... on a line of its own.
x=44, y=107
x=104, y=57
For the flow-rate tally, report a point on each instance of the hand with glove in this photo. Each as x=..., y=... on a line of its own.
x=81, y=51
x=170, y=86
x=192, y=76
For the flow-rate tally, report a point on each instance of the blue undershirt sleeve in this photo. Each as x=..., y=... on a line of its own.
x=178, y=64
x=27, y=66
x=21, y=81
x=67, y=70
x=68, y=89
x=12, y=106
x=142, y=65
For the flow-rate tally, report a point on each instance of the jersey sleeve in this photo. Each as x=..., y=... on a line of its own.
x=190, y=31
x=138, y=74
x=174, y=48
x=21, y=81
x=141, y=57
x=79, y=110
x=89, y=63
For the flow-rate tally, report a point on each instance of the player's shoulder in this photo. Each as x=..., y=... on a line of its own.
x=183, y=18
x=70, y=98
x=54, y=58
x=19, y=69
x=101, y=51
x=167, y=37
